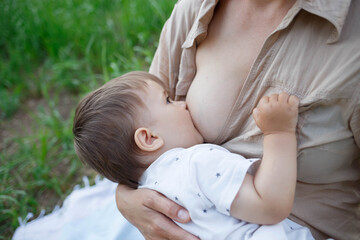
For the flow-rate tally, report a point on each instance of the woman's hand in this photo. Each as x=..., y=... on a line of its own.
x=150, y=211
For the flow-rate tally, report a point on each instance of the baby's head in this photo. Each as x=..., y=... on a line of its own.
x=123, y=126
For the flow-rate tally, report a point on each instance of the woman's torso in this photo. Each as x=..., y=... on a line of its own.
x=316, y=58
x=223, y=61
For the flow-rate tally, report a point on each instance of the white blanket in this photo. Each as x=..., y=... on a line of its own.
x=88, y=213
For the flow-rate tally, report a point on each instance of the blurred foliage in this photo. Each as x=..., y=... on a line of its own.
x=73, y=44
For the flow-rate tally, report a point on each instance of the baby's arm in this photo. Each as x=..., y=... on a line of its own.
x=267, y=197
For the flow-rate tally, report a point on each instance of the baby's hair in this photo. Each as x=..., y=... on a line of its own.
x=104, y=127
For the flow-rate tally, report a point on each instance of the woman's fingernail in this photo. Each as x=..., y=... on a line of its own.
x=183, y=215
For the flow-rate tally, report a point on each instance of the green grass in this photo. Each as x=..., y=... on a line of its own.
x=50, y=51
x=72, y=44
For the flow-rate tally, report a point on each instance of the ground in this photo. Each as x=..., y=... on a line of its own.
x=23, y=124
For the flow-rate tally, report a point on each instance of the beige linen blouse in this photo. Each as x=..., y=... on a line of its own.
x=314, y=54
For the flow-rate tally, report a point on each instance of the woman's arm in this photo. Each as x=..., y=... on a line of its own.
x=150, y=212
x=267, y=197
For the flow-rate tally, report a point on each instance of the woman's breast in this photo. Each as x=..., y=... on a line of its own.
x=220, y=76
x=212, y=95
x=223, y=62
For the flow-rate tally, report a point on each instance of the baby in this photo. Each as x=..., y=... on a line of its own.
x=131, y=132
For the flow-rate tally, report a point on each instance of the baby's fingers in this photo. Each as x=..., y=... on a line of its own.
x=264, y=100
x=274, y=98
x=283, y=97
x=255, y=115
x=294, y=101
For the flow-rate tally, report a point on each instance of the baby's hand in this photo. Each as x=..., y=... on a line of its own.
x=277, y=113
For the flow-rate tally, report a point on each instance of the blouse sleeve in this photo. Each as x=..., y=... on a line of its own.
x=166, y=62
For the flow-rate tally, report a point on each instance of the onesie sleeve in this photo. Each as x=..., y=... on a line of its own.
x=219, y=174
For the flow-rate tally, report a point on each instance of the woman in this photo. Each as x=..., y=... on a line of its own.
x=222, y=56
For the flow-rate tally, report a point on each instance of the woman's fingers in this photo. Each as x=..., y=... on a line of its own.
x=163, y=228
x=148, y=211
x=159, y=203
x=177, y=233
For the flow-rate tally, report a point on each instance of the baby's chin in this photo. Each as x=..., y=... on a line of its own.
x=196, y=140
x=200, y=139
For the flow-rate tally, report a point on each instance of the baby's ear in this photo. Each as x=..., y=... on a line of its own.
x=147, y=141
